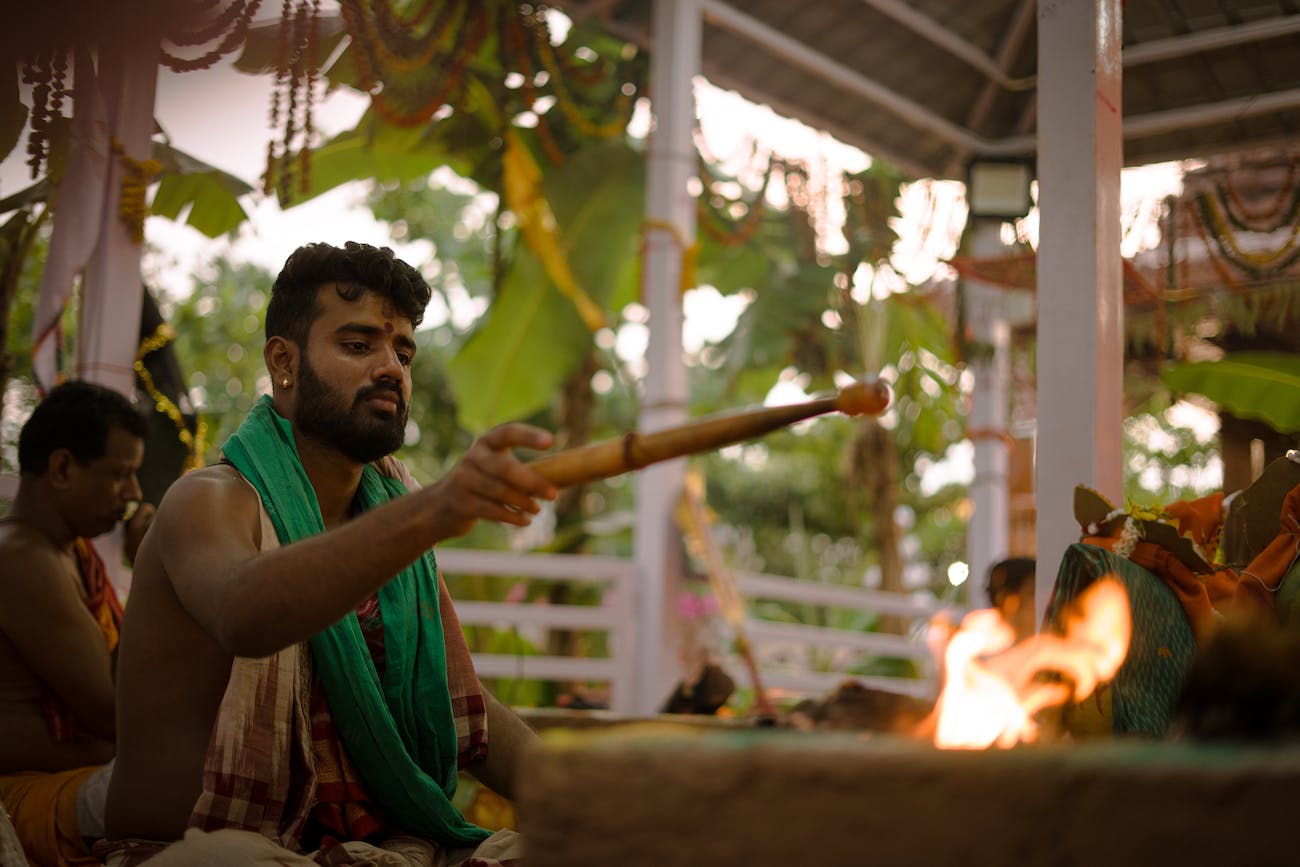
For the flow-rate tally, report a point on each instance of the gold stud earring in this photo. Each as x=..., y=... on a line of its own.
x=285, y=382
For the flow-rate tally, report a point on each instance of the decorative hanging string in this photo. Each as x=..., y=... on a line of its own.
x=412, y=99
x=558, y=71
x=1271, y=218
x=163, y=335
x=46, y=73
x=1258, y=265
x=514, y=43
x=395, y=46
x=293, y=99
x=217, y=27
x=233, y=38
x=132, y=206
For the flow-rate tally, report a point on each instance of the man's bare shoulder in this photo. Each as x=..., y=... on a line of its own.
x=216, y=491
x=28, y=556
x=216, y=480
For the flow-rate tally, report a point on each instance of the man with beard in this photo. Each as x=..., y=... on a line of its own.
x=78, y=455
x=292, y=674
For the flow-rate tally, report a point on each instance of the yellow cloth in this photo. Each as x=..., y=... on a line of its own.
x=43, y=809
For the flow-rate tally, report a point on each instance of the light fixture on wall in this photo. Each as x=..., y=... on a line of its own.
x=998, y=187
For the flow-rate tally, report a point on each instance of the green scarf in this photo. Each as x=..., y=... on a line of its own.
x=400, y=735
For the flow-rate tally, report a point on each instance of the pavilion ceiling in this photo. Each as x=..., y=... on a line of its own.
x=928, y=84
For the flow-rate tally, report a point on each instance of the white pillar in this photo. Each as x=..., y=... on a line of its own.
x=989, y=526
x=669, y=203
x=1080, y=302
x=112, y=292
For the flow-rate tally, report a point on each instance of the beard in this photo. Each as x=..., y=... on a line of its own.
x=356, y=430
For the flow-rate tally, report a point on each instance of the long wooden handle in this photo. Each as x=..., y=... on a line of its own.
x=635, y=450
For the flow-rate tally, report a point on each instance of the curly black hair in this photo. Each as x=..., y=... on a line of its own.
x=76, y=416
x=356, y=269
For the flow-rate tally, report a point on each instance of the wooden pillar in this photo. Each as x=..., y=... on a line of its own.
x=1080, y=304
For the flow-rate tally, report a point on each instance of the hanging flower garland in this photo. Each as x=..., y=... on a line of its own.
x=233, y=35
x=403, y=98
x=193, y=442
x=293, y=99
x=557, y=72
x=398, y=42
x=132, y=207
x=1259, y=265
x=514, y=45
x=46, y=73
x=1280, y=213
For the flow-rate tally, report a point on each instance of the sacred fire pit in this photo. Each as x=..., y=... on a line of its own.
x=661, y=794
x=657, y=796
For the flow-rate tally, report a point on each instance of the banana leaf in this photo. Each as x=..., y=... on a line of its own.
x=1259, y=385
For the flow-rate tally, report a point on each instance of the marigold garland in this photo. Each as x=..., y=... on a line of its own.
x=547, y=54
x=132, y=207
x=1288, y=195
x=1258, y=265
x=163, y=335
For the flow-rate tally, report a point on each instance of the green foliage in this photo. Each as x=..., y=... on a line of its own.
x=1258, y=385
x=208, y=196
x=378, y=151
x=220, y=345
x=533, y=338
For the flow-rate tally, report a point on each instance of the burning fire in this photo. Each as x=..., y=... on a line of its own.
x=991, y=691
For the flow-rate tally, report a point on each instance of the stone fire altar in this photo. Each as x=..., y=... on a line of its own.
x=654, y=796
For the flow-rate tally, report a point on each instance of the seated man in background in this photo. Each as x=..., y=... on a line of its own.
x=292, y=673
x=1011, y=591
x=78, y=455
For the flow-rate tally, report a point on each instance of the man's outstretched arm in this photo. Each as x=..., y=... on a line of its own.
x=254, y=604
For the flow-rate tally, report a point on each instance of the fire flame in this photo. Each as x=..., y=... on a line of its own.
x=991, y=691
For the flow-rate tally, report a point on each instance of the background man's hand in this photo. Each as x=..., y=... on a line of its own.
x=489, y=482
x=133, y=532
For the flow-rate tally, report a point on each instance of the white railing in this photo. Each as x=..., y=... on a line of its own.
x=615, y=616
x=783, y=650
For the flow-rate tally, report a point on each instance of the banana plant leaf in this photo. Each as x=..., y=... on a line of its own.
x=210, y=195
x=375, y=150
x=532, y=336
x=1259, y=385
x=261, y=45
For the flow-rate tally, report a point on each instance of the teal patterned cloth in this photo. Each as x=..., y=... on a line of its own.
x=1162, y=647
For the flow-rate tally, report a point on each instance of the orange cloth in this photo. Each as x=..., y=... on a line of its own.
x=1250, y=593
x=43, y=808
x=102, y=602
x=1200, y=519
